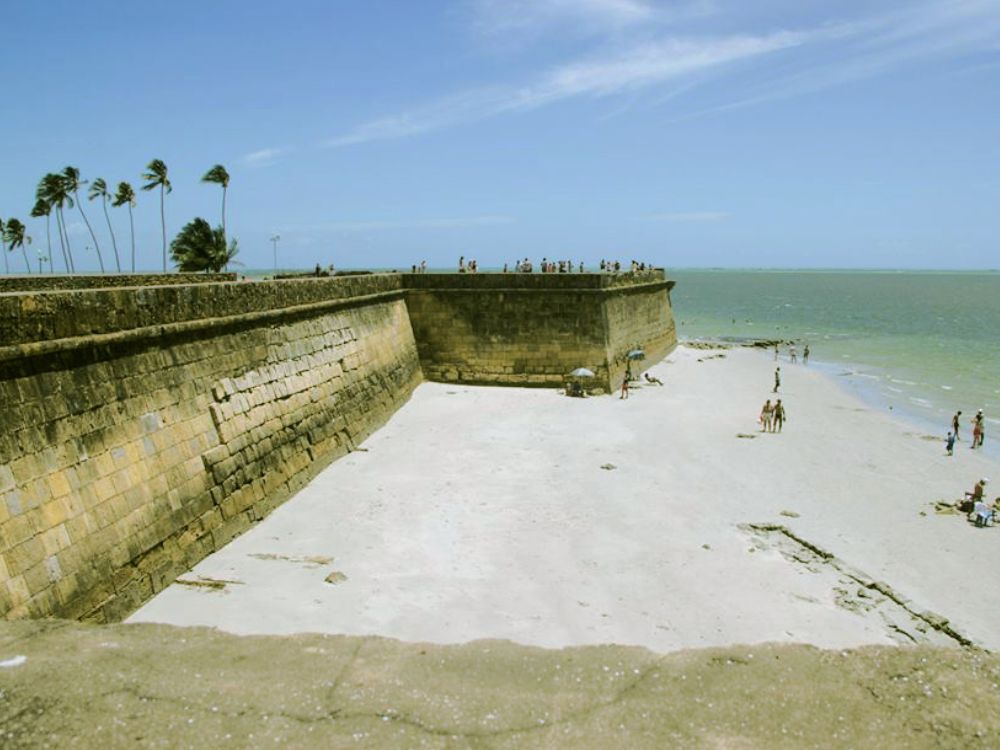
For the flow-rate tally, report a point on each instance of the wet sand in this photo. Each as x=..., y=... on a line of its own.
x=667, y=520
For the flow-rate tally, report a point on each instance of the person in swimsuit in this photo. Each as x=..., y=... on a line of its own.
x=779, y=416
x=766, y=415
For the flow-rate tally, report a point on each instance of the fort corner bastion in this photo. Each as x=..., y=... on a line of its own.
x=144, y=426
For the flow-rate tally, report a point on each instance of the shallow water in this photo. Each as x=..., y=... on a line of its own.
x=924, y=343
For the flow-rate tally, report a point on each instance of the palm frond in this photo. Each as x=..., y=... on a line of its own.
x=217, y=175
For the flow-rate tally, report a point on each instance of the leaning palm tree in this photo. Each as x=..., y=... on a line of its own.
x=52, y=190
x=156, y=177
x=73, y=182
x=14, y=236
x=125, y=196
x=99, y=189
x=219, y=176
x=6, y=265
x=44, y=208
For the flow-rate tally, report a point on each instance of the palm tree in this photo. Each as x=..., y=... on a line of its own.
x=99, y=189
x=6, y=265
x=52, y=189
x=219, y=176
x=125, y=196
x=73, y=182
x=14, y=236
x=156, y=177
x=44, y=208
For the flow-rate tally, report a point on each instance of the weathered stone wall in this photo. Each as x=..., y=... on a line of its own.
x=141, y=429
x=532, y=329
x=38, y=282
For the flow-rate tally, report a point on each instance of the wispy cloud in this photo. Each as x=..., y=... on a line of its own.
x=264, y=157
x=460, y=222
x=635, y=68
x=690, y=216
x=818, y=57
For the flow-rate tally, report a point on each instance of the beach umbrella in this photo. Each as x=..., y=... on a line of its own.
x=636, y=354
x=581, y=372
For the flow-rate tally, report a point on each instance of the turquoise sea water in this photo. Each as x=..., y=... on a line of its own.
x=925, y=343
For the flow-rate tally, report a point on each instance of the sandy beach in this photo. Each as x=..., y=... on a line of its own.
x=668, y=520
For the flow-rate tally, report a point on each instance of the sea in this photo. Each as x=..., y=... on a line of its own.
x=923, y=344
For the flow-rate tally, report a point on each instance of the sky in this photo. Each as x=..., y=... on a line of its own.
x=379, y=133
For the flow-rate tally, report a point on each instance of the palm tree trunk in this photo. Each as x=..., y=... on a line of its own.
x=224, y=238
x=163, y=223
x=64, y=236
x=114, y=242
x=27, y=264
x=6, y=263
x=131, y=226
x=48, y=240
x=97, y=245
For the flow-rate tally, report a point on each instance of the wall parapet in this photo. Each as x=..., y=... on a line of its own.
x=42, y=282
x=52, y=315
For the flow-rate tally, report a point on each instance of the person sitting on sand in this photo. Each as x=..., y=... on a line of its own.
x=766, y=415
x=977, y=490
x=779, y=416
x=652, y=379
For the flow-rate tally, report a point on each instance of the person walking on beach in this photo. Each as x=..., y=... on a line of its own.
x=775, y=352
x=792, y=354
x=978, y=430
x=779, y=416
x=954, y=424
x=777, y=379
x=805, y=355
x=624, y=387
x=766, y=415
x=949, y=444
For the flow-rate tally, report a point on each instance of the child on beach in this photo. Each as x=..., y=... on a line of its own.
x=949, y=444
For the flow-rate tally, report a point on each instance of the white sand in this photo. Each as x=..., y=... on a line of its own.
x=485, y=513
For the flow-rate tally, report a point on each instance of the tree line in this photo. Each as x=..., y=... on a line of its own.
x=197, y=247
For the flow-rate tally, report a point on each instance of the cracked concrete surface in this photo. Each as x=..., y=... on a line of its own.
x=156, y=686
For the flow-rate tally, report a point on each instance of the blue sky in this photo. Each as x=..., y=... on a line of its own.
x=778, y=133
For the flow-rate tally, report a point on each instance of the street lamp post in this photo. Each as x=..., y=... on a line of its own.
x=274, y=244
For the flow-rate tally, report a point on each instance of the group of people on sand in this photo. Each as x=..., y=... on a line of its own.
x=978, y=431
x=793, y=353
x=772, y=416
x=650, y=380
x=976, y=507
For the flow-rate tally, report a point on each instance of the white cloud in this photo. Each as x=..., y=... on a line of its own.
x=264, y=157
x=691, y=216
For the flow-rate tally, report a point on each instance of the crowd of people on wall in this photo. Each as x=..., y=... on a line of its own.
x=545, y=266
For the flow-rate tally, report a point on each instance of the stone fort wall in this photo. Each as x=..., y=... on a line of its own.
x=532, y=329
x=142, y=428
